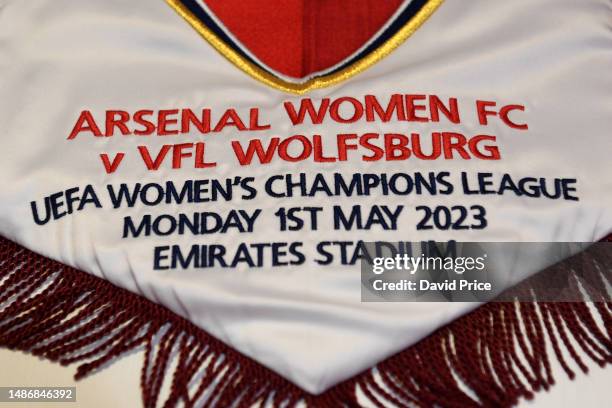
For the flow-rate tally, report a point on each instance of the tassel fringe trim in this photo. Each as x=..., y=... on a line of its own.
x=491, y=357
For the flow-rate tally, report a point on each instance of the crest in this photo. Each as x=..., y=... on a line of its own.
x=296, y=46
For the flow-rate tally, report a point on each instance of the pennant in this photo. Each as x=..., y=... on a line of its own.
x=156, y=198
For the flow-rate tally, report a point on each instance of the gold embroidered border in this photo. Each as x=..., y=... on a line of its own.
x=320, y=82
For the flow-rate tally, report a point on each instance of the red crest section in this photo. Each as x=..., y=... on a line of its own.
x=297, y=38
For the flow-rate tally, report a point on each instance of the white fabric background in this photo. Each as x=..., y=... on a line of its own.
x=59, y=57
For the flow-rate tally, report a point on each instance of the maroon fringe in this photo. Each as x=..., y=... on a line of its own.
x=491, y=357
